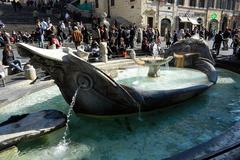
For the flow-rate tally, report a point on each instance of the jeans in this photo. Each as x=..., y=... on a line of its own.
x=41, y=41
x=16, y=64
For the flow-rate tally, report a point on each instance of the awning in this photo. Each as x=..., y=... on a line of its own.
x=193, y=21
x=184, y=19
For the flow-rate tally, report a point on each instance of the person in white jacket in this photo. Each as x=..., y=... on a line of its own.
x=157, y=47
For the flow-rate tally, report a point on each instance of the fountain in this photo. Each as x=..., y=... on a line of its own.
x=159, y=135
x=98, y=92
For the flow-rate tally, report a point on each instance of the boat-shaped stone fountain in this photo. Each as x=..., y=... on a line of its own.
x=100, y=95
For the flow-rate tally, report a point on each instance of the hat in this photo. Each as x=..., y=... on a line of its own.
x=75, y=27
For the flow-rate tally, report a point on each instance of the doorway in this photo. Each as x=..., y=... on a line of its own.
x=150, y=21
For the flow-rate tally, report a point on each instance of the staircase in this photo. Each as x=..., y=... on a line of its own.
x=20, y=20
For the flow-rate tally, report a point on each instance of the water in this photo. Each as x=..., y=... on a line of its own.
x=171, y=78
x=63, y=144
x=167, y=66
x=68, y=116
x=158, y=135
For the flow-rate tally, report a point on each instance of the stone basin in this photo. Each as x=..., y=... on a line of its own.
x=25, y=126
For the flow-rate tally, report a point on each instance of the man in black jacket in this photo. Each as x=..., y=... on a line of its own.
x=217, y=42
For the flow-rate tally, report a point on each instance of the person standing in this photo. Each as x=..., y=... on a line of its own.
x=226, y=36
x=175, y=37
x=39, y=33
x=168, y=39
x=236, y=44
x=157, y=47
x=77, y=36
x=217, y=42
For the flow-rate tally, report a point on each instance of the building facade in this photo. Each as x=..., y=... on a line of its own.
x=174, y=14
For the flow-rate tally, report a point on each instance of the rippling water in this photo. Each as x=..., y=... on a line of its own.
x=158, y=135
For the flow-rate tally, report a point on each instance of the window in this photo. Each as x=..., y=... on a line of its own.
x=229, y=5
x=223, y=4
x=201, y=3
x=170, y=1
x=96, y=4
x=218, y=3
x=112, y=2
x=193, y=3
x=233, y=5
x=180, y=2
x=211, y=3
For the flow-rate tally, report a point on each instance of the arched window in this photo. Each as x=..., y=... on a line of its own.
x=193, y=3
x=165, y=26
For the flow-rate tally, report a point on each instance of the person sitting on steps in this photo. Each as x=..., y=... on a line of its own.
x=8, y=59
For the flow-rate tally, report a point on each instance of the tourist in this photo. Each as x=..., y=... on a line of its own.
x=157, y=47
x=6, y=37
x=122, y=48
x=112, y=48
x=77, y=36
x=168, y=39
x=217, y=42
x=53, y=43
x=96, y=35
x=95, y=51
x=226, y=35
x=39, y=33
x=132, y=36
x=86, y=35
x=145, y=45
x=44, y=24
x=181, y=34
x=175, y=37
x=61, y=31
x=8, y=59
x=187, y=34
x=236, y=44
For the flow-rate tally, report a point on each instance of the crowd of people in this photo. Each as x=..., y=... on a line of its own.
x=119, y=37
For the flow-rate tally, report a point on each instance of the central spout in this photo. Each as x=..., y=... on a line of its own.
x=153, y=63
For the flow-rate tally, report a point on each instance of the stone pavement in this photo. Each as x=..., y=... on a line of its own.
x=17, y=87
